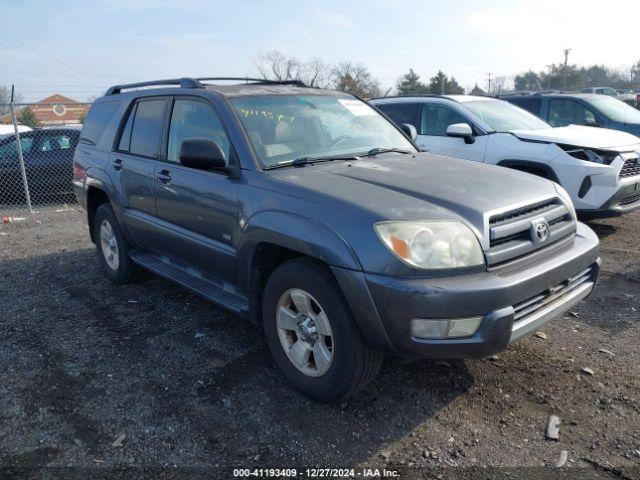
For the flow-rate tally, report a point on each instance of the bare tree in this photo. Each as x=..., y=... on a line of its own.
x=498, y=85
x=5, y=99
x=354, y=78
x=318, y=73
x=275, y=66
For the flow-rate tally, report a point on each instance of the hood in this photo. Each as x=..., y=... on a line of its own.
x=420, y=187
x=580, y=136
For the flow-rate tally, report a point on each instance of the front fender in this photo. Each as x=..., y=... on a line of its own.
x=297, y=233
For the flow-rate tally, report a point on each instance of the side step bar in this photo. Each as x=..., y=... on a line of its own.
x=201, y=286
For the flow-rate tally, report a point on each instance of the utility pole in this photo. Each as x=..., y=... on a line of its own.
x=442, y=84
x=564, y=72
x=548, y=77
x=489, y=82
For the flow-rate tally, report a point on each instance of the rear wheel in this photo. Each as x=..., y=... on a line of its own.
x=312, y=335
x=111, y=246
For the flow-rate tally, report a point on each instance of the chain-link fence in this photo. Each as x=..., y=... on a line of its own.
x=37, y=142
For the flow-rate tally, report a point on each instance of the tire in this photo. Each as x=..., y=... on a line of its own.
x=108, y=235
x=352, y=364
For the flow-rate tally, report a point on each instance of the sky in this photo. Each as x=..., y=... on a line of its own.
x=79, y=48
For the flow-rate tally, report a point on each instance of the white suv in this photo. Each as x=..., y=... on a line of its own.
x=600, y=168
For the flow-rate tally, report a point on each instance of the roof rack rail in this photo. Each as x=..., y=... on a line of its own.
x=297, y=83
x=182, y=82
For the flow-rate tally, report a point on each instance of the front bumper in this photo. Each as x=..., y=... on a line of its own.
x=505, y=297
x=626, y=199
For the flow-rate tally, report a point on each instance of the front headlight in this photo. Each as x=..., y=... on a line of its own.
x=604, y=157
x=431, y=245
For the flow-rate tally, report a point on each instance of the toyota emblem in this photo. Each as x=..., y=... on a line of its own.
x=542, y=231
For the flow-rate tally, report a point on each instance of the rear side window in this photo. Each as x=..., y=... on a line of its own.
x=401, y=112
x=530, y=104
x=96, y=121
x=142, y=132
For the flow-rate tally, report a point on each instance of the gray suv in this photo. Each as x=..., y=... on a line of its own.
x=309, y=212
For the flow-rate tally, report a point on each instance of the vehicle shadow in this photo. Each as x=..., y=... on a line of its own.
x=603, y=230
x=186, y=382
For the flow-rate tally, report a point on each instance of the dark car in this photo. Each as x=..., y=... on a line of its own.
x=591, y=109
x=48, y=161
x=309, y=212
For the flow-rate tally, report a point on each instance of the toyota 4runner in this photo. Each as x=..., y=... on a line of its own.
x=309, y=212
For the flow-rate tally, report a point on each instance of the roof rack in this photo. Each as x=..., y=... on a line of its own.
x=182, y=82
x=195, y=83
x=297, y=83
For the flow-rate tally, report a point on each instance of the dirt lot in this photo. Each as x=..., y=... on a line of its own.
x=148, y=375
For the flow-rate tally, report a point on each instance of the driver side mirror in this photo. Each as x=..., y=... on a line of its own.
x=202, y=154
x=410, y=131
x=592, y=122
x=461, y=130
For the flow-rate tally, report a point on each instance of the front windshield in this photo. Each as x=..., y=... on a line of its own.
x=615, y=109
x=282, y=128
x=503, y=116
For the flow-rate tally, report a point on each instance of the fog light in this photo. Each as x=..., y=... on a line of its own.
x=440, y=329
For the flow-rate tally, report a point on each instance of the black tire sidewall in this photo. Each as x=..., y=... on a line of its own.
x=121, y=275
x=346, y=369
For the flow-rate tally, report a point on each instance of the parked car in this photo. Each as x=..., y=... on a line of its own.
x=309, y=212
x=612, y=92
x=581, y=109
x=629, y=96
x=48, y=160
x=598, y=167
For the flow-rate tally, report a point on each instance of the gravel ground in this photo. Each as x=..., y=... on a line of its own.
x=148, y=375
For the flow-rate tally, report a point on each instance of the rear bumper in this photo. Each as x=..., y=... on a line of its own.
x=385, y=306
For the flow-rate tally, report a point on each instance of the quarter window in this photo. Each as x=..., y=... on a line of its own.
x=436, y=118
x=567, y=112
x=194, y=118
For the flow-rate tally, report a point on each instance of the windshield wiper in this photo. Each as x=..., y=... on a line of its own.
x=302, y=161
x=378, y=150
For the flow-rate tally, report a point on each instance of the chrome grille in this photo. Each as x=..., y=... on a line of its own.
x=513, y=234
x=631, y=168
x=535, y=303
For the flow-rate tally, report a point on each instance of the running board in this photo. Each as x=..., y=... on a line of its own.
x=197, y=284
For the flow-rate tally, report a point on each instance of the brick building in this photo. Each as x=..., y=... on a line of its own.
x=55, y=110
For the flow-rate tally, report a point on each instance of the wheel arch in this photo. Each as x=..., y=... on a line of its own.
x=272, y=238
x=535, y=168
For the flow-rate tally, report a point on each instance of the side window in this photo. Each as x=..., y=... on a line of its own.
x=193, y=118
x=147, y=127
x=436, y=118
x=566, y=112
x=10, y=149
x=400, y=112
x=55, y=142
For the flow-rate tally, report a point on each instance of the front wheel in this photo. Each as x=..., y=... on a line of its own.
x=312, y=335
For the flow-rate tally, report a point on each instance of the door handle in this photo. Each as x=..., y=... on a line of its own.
x=164, y=176
x=117, y=164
